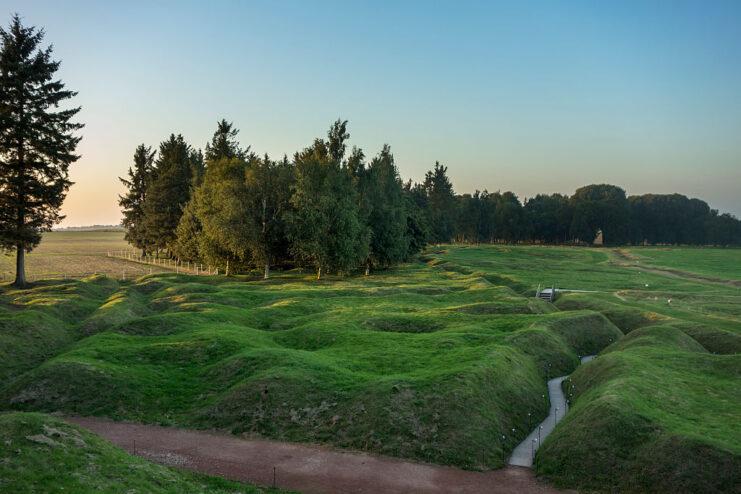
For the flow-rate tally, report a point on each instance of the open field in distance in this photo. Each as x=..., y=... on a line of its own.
x=78, y=254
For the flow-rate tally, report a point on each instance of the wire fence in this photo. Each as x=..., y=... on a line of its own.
x=61, y=270
x=61, y=275
x=187, y=267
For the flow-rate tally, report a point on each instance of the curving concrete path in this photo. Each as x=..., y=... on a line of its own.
x=524, y=453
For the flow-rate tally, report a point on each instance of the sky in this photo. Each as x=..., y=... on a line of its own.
x=528, y=96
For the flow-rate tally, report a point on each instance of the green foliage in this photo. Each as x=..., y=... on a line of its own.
x=188, y=234
x=551, y=217
x=224, y=144
x=418, y=222
x=326, y=210
x=324, y=226
x=600, y=208
x=168, y=192
x=221, y=205
x=319, y=210
x=268, y=189
x=37, y=145
x=510, y=221
x=441, y=204
x=386, y=218
x=137, y=184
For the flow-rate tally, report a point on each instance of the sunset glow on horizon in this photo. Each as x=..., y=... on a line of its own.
x=534, y=98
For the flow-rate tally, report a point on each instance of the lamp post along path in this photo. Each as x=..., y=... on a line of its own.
x=524, y=453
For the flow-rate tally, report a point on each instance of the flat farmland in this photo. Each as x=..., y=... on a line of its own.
x=79, y=254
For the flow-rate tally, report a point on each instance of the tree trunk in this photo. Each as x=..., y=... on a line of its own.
x=20, y=267
x=227, y=267
x=319, y=273
x=367, y=269
x=267, y=270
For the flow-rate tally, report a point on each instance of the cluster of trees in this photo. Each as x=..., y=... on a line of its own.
x=325, y=208
x=333, y=210
x=556, y=218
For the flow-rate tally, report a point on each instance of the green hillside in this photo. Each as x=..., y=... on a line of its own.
x=416, y=362
x=435, y=360
x=655, y=413
x=43, y=454
x=658, y=410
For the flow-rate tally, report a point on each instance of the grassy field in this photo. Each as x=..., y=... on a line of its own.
x=78, y=254
x=655, y=413
x=44, y=454
x=658, y=410
x=722, y=264
x=416, y=362
x=435, y=360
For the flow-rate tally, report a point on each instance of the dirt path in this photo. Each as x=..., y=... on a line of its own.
x=628, y=261
x=305, y=468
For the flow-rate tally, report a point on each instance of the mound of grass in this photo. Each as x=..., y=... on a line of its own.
x=626, y=319
x=715, y=340
x=419, y=362
x=35, y=324
x=587, y=332
x=434, y=360
x=43, y=454
x=664, y=337
x=654, y=413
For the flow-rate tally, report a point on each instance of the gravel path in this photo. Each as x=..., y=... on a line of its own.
x=524, y=453
x=305, y=468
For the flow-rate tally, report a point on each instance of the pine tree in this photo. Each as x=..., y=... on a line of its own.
x=188, y=234
x=197, y=167
x=386, y=220
x=224, y=144
x=37, y=144
x=416, y=210
x=168, y=193
x=185, y=246
x=441, y=200
x=139, y=180
x=222, y=209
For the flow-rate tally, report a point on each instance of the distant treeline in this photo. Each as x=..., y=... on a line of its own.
x=331, y=210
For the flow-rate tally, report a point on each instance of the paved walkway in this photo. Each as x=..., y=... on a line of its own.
x=303, y=467
x=524, y=453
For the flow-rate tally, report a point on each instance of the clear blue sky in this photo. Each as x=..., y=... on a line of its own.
x=524, y=96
